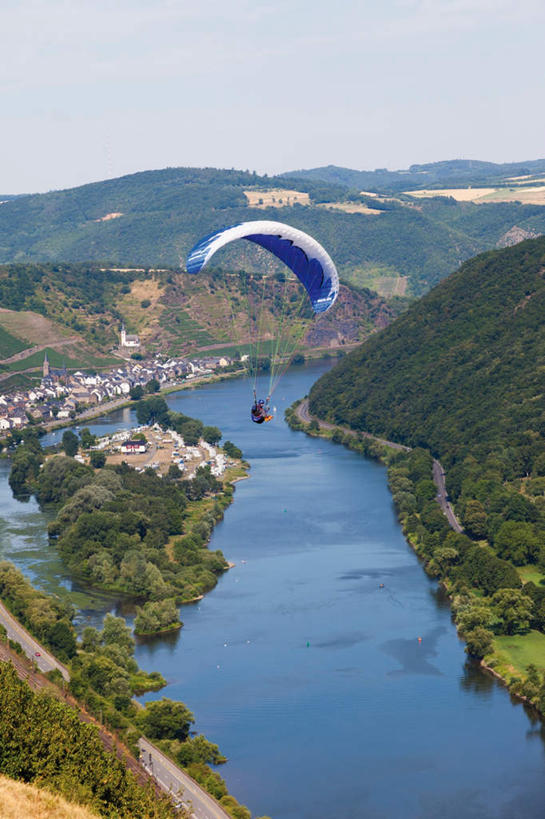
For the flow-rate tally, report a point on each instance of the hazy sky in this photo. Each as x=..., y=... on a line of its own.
x=91, y=90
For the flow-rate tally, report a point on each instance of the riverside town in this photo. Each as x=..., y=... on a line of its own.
x=62, y=395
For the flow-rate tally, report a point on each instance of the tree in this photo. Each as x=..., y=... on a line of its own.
x=211, y=435
x=116, y=632
x=136, y=392
x=90, y=639
x=153, y=385
x=445, y=557
x=87, y=438
x=70, y=443
x=191, y=432
x=514, y=609
x=474, y=519
x=231, y=450
x=61, y=638
x=199, y=749
x=165, y=719
x=174, y=472
x=479, y=642
x=98, y=459
x=517, y=541
x=152, y=410
x=156, y=616
x=477, y=615
x=424, y=490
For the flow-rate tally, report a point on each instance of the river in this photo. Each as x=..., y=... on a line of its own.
x=308, y=675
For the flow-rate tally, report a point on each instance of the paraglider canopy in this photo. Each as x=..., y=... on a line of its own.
x=299, y=251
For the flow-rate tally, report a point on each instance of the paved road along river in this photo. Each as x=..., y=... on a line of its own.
x=307, y=673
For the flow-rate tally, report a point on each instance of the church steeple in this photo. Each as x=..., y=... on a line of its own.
x=45, y=369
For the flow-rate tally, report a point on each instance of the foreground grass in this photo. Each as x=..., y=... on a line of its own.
x=17, y=800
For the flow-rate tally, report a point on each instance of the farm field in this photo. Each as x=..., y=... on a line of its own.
x=384, y=280
x=532, y=195
x=74, y=358
x=10, y=344
x=351, y=207
x=32, y=328
x=276, y=198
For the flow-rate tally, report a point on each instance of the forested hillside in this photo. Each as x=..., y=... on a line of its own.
x=462, y=371
x=153, y=218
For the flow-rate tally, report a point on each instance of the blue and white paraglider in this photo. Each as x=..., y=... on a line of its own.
x=302, y=254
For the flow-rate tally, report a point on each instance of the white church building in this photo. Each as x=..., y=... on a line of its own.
x=128, y=340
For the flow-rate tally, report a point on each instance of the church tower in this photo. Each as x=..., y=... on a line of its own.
x=123, y=336
x=45, y=369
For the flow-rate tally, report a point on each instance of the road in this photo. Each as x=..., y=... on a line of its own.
x=175, y=781
x=92, y=412
x=32, y=648
x=442, y=496
x=304, y=415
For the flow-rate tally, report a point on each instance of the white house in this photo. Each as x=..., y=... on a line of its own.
x=133, y=447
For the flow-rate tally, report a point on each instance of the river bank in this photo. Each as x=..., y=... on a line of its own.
x=516, y=678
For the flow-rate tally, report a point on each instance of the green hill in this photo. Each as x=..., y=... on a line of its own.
x=153, y=218
x=462, y=371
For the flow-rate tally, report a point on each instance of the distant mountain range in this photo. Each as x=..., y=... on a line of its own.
x=448, y=173
x=393, y=244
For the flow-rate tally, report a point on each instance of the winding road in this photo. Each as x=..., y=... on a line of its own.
x=303, y=413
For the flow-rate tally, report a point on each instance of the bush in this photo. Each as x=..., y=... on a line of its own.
x=98, y=459
x=480, y=641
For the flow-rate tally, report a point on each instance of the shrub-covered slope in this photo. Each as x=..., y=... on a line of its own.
x=463, y=371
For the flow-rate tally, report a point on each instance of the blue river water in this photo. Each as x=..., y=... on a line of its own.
x=308, y=675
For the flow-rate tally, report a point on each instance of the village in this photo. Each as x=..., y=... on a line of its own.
x=151, y=447
x=64, y=395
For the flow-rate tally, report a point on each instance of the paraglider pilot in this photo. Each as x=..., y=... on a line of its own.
x=260, y=411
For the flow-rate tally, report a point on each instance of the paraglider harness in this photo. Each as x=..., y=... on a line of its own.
x=260, y=411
